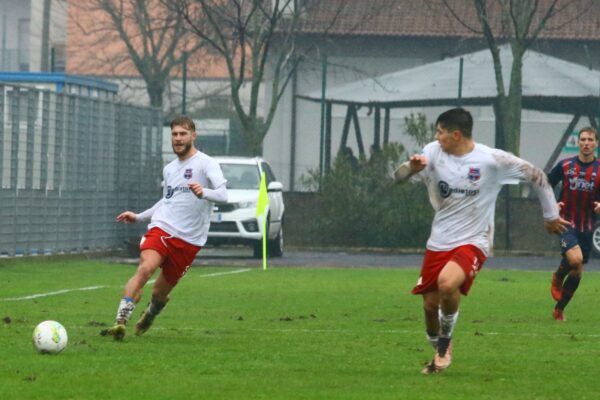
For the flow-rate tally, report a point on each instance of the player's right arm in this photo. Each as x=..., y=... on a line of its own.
x=129, y=217
x=414, y=165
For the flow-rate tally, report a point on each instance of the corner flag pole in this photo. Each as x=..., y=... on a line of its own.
x=262, y=207
x=264, y=243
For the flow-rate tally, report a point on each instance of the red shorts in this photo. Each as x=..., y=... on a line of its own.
x=469, y=257
x=178, y=254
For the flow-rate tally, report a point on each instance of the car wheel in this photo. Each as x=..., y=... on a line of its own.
x=596, y=241
x=275, y=246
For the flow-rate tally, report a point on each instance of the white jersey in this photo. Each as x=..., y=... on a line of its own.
x=463, y=191
x=180, y=212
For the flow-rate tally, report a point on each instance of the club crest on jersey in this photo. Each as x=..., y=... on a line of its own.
x=188, y=173
x=474, y=174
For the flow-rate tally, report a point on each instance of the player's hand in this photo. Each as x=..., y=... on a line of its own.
x=597, y=207
x=417, y=163
x=128, y=217
x=556, y=226
x=561, y=204
x=197, y=189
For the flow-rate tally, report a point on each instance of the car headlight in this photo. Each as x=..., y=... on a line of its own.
x=247, y=204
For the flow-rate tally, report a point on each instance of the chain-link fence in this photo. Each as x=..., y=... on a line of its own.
x=68, y=166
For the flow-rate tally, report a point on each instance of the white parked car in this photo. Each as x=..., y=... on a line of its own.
x=235, y=222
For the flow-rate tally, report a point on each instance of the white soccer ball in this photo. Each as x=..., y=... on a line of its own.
x=50, y=337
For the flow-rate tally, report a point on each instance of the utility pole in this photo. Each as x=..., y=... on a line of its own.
x=44, y=67
x=4, y=52
x=184, y=82
x=322, y=139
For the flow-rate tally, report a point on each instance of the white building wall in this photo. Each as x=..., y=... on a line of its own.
x=57, y=31
x=15, y=13
x=21, y=24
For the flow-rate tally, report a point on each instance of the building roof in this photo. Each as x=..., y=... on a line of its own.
x=580, y=20
x=545, y=79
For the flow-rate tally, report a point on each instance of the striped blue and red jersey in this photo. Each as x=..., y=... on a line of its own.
x=579, y=190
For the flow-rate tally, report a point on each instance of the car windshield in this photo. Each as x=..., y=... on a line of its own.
x=241, y=176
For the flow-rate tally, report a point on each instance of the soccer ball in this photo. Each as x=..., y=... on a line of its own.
x=50, y=337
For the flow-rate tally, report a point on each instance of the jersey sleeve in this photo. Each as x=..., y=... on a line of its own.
x=214, y=174
x=147, y=214
x=556, y=175
x=512, y=169
x=429, y=153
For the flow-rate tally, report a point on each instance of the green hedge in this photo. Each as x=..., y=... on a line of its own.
x=358, y=204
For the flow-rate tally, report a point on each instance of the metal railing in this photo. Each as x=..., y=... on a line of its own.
x=68, y=166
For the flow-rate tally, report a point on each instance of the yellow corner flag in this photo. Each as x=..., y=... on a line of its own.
x=262, y=208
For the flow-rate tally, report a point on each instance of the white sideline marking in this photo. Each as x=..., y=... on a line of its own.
x=35, y=296
x=350, y=331
x=237, y=271
x=384, y=331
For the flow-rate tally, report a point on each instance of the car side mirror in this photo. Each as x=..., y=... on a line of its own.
x=275, y=187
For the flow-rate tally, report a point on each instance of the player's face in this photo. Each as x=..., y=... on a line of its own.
x=445, y=138
x=182, y=140
x=587, y=144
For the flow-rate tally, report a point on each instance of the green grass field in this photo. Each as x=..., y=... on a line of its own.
x=293, y=333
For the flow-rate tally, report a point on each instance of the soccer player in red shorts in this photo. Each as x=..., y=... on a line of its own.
x=178, y=226
x=463, y=179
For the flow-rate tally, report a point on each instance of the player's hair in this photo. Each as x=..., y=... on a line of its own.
x=185, y=121
x=457, y=119
x=589, y=129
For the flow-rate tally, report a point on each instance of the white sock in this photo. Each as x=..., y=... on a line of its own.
x=447, y=323
x=126, y=307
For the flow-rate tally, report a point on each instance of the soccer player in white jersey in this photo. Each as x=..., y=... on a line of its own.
x=463, y=179
x=178, y=226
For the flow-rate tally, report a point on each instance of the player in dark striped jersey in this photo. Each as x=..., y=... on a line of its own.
x=579, y=203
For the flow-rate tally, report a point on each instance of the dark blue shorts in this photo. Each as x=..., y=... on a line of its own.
x=572, y=238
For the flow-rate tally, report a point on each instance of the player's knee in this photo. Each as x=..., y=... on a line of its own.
x=446, y=287
x=576, y=262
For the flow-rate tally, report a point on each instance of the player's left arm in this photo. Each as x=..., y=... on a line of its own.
x=217, y=193
x=515, y=168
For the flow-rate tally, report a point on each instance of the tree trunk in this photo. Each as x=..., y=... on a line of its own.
x=155, y=93
x=510, y=105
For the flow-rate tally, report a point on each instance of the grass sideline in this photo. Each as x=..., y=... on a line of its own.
x=294, y=333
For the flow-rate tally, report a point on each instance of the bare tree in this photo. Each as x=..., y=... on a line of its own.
x=129, y=37
x=520, y=23
x=256, y=38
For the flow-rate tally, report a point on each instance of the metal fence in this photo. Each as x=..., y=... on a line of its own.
x=68, y=166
